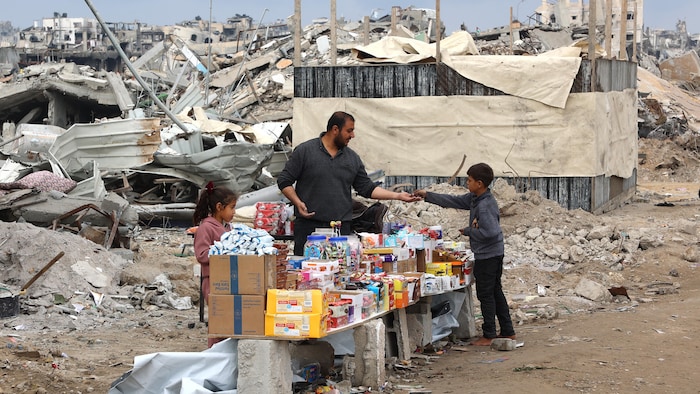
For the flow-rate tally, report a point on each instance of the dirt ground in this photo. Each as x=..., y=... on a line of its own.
x=645, y=344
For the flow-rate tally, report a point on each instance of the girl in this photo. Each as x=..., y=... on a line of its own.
x=213, y=214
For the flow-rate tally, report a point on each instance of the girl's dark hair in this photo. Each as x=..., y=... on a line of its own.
x=338, y=119
x=481, y=172
x=208, y=198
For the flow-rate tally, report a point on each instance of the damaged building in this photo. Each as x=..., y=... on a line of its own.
x=229, y=115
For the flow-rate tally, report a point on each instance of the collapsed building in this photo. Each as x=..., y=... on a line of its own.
x=231, y=102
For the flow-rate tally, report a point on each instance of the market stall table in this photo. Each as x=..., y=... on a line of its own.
x=261, y=358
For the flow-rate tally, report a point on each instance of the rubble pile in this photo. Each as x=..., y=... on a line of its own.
x=129, y=163
x=557, y=250
x=87, y=287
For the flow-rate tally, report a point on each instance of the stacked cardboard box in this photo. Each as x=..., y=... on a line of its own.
x=237, y=300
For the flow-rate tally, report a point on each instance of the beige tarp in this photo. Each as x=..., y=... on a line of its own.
x=547, y=79
x=403, y=50
x=594, y=135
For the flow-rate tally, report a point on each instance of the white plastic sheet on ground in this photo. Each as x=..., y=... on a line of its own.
x=442, y=325
x=211, y=371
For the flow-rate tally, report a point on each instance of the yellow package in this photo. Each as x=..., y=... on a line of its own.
x=304, y=325
x=296, y=301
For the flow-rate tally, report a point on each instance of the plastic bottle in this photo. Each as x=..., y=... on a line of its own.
x=316, y=247
x=339, y=249
x=354, y=253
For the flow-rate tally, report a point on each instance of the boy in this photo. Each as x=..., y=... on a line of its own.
x=486, y=242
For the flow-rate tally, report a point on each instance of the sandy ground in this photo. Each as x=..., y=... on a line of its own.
x=646, y=344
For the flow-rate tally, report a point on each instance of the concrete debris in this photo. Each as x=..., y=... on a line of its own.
x=575, y=255
x=247, y=80
x=593, y=291
x=116, y=161
x=88, y=283
x=503, y=344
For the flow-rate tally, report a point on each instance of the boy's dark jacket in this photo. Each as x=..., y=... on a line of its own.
x=484, y=226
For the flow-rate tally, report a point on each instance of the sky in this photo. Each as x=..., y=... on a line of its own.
x=658, y=14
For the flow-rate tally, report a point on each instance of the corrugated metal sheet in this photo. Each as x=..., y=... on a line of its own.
x=570, y=193
x=409, y=80
x=113, y=144
x=234, y=165
x=589, y=194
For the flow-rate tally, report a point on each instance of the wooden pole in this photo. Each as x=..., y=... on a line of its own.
x=297, y=33
x=510, y=24
x=636, y=26
x=334, y=33
x=366, y=30
x=623, y=30
x=608, y=28
x=394, y=19
x=592, y=18
x=438, y=35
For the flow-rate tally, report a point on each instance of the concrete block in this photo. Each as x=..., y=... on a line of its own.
x=593, y=291
x=415, y=330
x=264, y=366
x=370, y=345
x=503, y=344
x=115, y=202
x=465, y=317
x=419, y=319
x=348, y=371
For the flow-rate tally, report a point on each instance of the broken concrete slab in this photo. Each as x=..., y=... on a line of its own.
x=682, y=68
x=593, y=291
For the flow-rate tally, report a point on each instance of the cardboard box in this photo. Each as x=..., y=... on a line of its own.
x=390, y=267
x=296, y=301
x=240, y=274
x=424, y=255
x=401, y=299
x=378, y=251
x=356, y=297
x=415, y=241
x=288, y=280
x=402, y=253
x=236, y=315
x=330, y=266
x=408, y=265
x=416, y=283
x=441, y=256
x=303, y=325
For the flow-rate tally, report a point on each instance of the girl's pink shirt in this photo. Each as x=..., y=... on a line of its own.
x=208, y=232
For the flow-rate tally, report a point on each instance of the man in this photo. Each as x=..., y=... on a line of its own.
x=326, y=170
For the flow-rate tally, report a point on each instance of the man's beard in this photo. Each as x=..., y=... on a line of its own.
x=339, y=141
